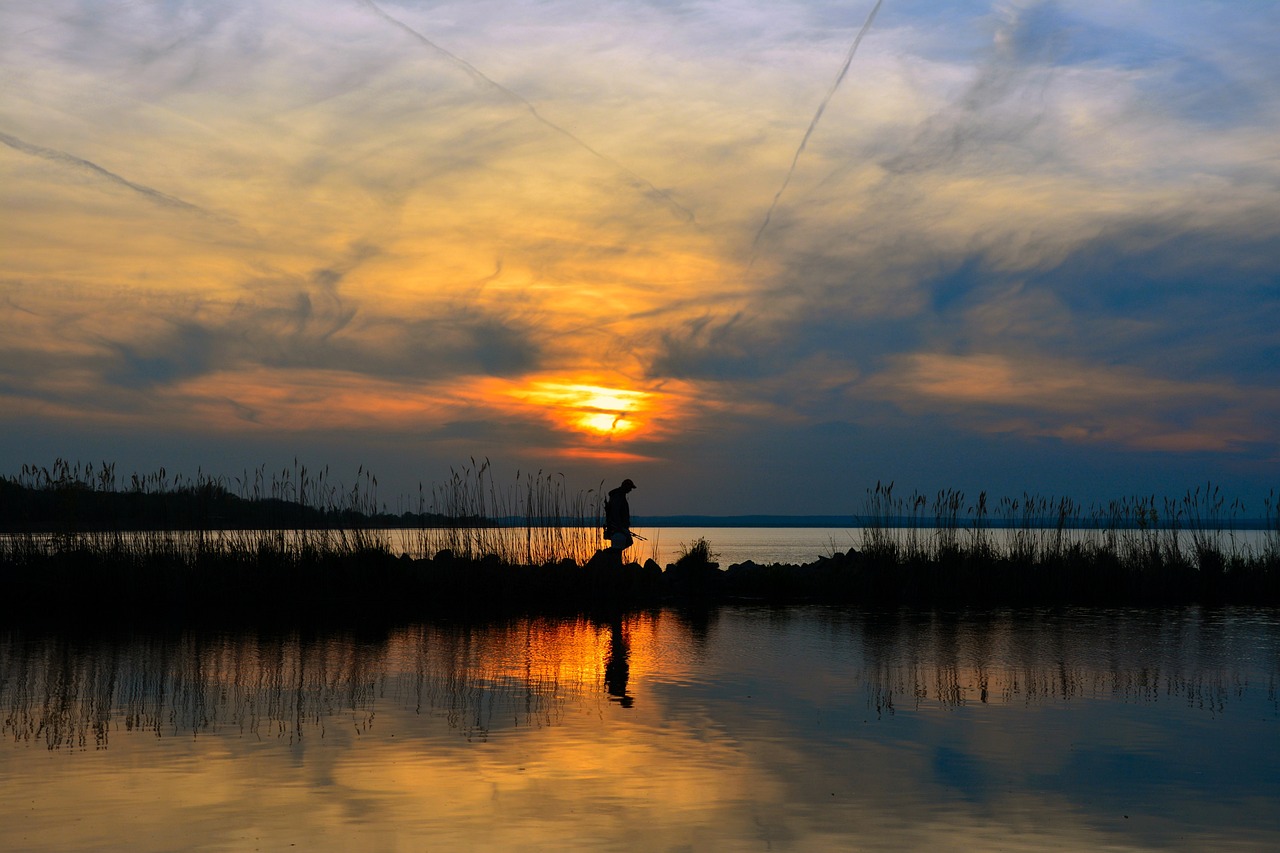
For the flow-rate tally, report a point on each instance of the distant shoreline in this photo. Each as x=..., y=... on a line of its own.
x=71, y=498
x=112, y=583
x=694, y=522
x=906, y=523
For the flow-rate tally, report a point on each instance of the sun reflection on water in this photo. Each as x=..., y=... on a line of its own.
x=660, y=729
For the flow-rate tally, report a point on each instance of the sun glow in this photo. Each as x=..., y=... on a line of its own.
x=592, y=409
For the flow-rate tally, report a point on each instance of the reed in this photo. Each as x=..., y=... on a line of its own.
x=1135, y=549
x=293, y=513
x=535, y=521
x=81, y=542
x=697, y=553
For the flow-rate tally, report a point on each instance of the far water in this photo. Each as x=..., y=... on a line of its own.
x=732, y=729
x=802, y=545
x=731, y=545
x=664, y=545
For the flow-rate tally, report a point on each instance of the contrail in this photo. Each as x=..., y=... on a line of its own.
x=80, y=163
x=637, y=182
x=848, y=60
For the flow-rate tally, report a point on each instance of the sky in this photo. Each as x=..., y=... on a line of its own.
x=755, y=255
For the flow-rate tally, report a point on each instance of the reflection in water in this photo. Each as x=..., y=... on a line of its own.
x=1132, y=656
x=750, y=728
x=75, y=694
x=617, y=666
x=69, y=693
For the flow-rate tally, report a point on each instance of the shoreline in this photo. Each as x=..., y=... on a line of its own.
x=270, y=588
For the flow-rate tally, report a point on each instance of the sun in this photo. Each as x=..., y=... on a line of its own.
x=605, y=423
x=592, y=409
x=607, y=411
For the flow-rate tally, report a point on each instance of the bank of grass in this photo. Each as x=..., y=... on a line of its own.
x=470, y=544
x=946, y=550
x=90, y=546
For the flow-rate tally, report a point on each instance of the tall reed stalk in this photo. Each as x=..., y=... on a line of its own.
x=1198, y=531
x=535, y=521
x=300, y=514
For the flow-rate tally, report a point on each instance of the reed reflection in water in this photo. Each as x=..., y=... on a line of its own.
x=68, y=693
x=798, y=729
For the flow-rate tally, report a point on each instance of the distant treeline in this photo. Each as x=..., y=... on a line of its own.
x=83, y=498
x=74, y=507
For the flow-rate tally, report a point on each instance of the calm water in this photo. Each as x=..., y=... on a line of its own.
x=740, y=729
x=739, y=544
x=806, y=544
x=732, y=544
x=664, y=545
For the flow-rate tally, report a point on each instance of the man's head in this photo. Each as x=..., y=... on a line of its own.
x=628, y=485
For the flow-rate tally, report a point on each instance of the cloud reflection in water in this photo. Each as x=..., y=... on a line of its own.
x=803, y=728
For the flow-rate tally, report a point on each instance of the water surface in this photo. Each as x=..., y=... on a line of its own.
x=735, y=729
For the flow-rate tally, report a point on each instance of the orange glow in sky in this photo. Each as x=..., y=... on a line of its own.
x=397, y=235
x=592, y=409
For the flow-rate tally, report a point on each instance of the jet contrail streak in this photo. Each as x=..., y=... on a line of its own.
x=80, y=163
x=848, y=60
x=638, y=182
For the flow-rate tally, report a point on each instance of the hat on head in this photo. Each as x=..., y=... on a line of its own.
x=627, y=484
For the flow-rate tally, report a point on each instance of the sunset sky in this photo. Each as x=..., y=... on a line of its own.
x=1024, y=246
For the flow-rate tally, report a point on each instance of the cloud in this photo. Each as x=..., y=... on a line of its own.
x=813, y=123
x=704, y=348
x=640, y=183
x=459, y=342
x=999, y=109
x=74, y=162
x=187, y=350
x=1083, y=403
x=1077, y=191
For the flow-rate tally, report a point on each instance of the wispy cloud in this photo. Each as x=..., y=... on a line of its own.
x=1021, y=210
x=813, y=123
x=1086, y=403
x=79, y=163
x=637, y=181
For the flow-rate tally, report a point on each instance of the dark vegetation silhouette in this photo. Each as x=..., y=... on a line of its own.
x=73, y=499
x=82, y=546
x=946, y=551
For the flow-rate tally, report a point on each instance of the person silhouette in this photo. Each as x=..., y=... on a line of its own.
x=617, y=518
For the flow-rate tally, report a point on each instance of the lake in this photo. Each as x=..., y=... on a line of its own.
x=738, y=544
x=736, y=728
x=801, y=545
x=805, y=544
x=764, y=545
